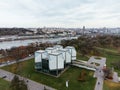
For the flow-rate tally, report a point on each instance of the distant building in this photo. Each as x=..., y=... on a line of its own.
x=53, y=60
x=83, y=31
x=29, y=32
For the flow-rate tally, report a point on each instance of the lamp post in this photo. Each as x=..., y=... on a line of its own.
x=67, y=83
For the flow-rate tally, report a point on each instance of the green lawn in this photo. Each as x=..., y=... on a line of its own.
x=112, y=50
x=111, y=55
x=71, y=74
x=4, y=85
x=111, y=58
x=80, y=57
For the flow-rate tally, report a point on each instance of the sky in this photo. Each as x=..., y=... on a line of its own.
x=60, y=13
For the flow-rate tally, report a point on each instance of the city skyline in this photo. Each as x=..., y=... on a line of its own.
x=59, y=13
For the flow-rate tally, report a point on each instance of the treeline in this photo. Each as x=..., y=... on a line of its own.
x=87, y=45
x=21, y=52
x=12, y=31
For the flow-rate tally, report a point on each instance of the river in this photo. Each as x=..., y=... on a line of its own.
x=10, y=44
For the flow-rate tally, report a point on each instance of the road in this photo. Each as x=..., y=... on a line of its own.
x=32, y=85
x=100, y=79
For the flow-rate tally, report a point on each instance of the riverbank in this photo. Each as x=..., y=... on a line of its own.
x=15, y=37
x=25, y=42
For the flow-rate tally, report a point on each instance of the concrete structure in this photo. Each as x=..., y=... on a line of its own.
x=97, y=62
x=53, y=60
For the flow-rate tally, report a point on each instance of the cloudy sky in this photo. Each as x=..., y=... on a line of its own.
x=59, y=13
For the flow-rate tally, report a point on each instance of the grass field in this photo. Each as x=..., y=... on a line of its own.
x=71, y=74
x=4, y=85
x=80, y=57
x=112, y=50
x=111, y=58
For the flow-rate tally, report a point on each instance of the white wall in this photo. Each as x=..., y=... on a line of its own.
x=40, y=54
x=44, y=55
x=52, y=62
x=68, y=57
x=72, y=51
x=60, y=62
x=37, y=57
x=56, y=62
x=73, y=54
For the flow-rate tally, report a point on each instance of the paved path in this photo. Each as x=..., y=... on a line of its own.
x=100, y=79
x=85, y=67
x=101, y=61
x=99, y=74
x=32, y=85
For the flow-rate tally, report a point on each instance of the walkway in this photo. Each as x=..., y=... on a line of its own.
x=83, y=64
x=85, y=67
x=100, y=79
x=32, y=85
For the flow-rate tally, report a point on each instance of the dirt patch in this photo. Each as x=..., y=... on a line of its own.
x=112, y=84
x=6, y=59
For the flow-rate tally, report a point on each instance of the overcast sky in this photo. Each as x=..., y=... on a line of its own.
x=59, y=13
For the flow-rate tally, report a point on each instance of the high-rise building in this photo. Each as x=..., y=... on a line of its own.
x=83, y=30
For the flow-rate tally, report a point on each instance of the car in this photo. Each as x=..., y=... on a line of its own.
x=4, y=76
